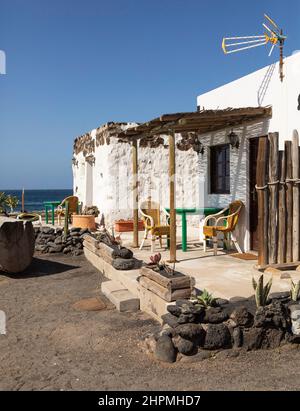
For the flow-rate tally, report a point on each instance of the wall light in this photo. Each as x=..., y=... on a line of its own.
x=233, y=139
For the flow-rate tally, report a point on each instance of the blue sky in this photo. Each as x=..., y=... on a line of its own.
x=73, y=65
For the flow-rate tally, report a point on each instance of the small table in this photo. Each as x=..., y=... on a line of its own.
x=51, y=205
x=184, y=211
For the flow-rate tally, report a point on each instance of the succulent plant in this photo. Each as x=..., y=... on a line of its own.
x=160, y=265
x=206, y=299
x=155, y=259
x=295, y=288
x=261, y=291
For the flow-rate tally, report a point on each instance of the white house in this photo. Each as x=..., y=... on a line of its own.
x=212, y=178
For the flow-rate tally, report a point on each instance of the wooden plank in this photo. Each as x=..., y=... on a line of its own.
x=283, y=267
x=135, y=196
x=100, y=252
x=106, y=249
x=90, y=239
x=172, y=283
x=273, y=197
x=289, y=201
x=282, y=210
x=262, y=199
x=162, y=292
x=172, y=177
x=296, y=196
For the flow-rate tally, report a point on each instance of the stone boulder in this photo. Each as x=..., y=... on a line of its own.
x=192, y=332
x=295, y=318
x=17, y=239
x=184, y=346
x=123, y=263
x=274, y=315
x=217, y=336
x=242, y=317
x=165, y=350
x=215, y=315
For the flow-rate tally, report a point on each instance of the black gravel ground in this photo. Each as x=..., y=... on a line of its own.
x=51, y=346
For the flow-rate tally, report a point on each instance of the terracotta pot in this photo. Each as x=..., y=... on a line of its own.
x=84, y=221
x=122, y=226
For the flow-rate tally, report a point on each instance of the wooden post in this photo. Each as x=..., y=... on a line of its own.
x=295, y=166
x=172, y=198
x=289, y=201
x=66, y=225
x=262, y=197
x=135, y=198
x=273, y=198
x=23, y=200
x=282, y=210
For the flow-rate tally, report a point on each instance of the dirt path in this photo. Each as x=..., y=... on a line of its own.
x=51, y=346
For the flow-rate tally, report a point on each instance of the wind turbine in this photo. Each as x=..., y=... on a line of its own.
x=273, y=35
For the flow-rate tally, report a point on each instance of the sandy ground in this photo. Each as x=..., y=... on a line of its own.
x=51, y=346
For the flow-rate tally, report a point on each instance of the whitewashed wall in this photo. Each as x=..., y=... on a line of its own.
x=112, y=177
x=263, y=88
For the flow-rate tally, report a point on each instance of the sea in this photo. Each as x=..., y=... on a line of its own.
x=34, y=199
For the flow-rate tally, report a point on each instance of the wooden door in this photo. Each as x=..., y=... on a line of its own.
x=253, y=195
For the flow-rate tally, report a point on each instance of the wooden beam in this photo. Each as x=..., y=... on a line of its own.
x=256, y=111
x=282, y=210
x=273, y=190
x=289, y=201
x=210, y=120
x=172, y=174
x=135, y=196
x=296, y=196
x=262, y=198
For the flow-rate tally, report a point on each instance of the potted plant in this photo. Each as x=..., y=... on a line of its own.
x=164, y=281
x=122, y=226
x=87, y=218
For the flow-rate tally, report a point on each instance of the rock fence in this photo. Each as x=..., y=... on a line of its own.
x=191, y=329
x=51, y=240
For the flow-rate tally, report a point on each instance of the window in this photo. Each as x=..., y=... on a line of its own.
x=220, y=169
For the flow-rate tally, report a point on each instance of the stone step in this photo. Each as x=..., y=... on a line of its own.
x=121, y=297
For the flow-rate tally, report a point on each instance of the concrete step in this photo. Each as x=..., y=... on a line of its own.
x=121, y=297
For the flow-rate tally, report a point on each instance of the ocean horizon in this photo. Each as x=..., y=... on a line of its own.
x=35, y=198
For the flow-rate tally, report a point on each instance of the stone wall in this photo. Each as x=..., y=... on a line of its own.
x=191, y=328
x=51, y=240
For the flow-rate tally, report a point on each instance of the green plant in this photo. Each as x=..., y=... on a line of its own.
x=205, y=299
x=2, y=202
x=7, y=202
x=261, y=291
x=12, y=202
x=295, y=288
x=155, y=260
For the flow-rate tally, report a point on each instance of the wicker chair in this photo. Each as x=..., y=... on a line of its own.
x=73, y=207
x=231, y=221
x=151, y=213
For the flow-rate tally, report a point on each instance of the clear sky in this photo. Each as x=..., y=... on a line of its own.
x=75, y=64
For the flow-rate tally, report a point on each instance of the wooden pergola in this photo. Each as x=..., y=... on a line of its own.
x=198, y=122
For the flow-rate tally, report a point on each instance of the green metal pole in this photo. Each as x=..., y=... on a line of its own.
x=184, y=231
x=46, y=212
x=52, y=210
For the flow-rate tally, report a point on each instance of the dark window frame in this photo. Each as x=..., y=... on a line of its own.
x=220, y=159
